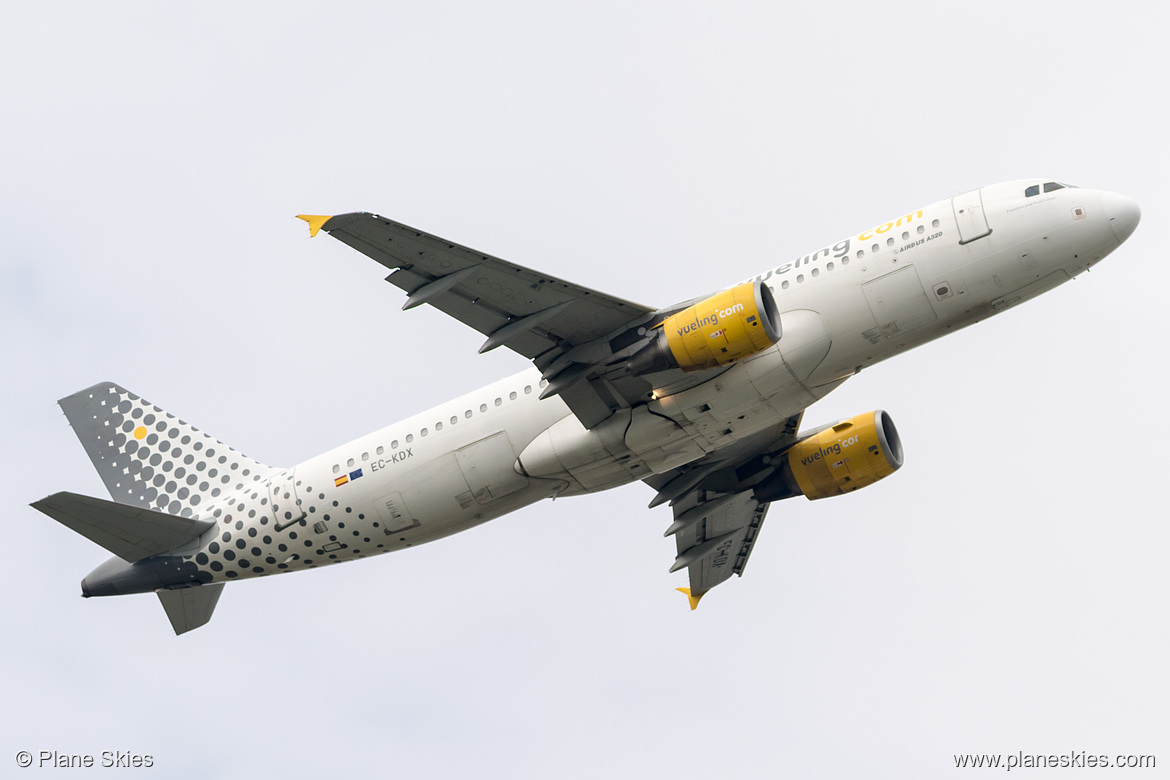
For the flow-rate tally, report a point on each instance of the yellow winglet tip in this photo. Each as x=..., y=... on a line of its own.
x=316, y=221
x=693, y=599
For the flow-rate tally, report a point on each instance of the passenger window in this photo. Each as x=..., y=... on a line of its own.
x=336, y=468
x=438, y=426
x=499, y=401
x=512, y=396
x=482, y=408
x=1050, y=186
x=1033, y=190
x=394, y=444
x=365, y=456
x=349, y=463
x=380, y=449
x=784, y=285
x=409, y=438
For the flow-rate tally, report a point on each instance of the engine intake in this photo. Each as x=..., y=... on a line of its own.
x=730, y=325
x=843, y=457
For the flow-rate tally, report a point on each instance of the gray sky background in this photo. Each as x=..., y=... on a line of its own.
x=1006, y=591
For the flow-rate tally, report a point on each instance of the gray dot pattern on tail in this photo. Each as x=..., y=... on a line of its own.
x=148, y=457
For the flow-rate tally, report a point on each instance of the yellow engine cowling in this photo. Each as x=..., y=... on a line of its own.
x=730, y=325
x=841, y=458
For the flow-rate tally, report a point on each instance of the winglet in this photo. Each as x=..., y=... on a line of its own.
x=316, y=221
x=693, y=599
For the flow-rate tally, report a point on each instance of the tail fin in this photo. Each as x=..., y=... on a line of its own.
x=151, y=459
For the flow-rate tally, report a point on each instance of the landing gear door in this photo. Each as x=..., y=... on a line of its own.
x=969, y=216
x=282, y=493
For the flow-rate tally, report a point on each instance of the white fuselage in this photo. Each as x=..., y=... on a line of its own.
x=847, y=306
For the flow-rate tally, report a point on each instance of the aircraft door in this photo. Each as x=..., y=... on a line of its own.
x=969, y=216
x=898, y=301
x=282, y=494
x=487, y=465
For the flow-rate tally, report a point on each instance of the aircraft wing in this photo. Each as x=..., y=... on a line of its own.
x=562, y=327
x=715, y=538
x=717, y=518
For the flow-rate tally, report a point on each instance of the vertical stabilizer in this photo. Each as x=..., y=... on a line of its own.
x=149, y=458
x=190, y=608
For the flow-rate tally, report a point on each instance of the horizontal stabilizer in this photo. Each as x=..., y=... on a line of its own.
x=189, y=608
x=131, y=533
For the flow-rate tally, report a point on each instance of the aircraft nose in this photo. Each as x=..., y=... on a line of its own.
x=1123, y=213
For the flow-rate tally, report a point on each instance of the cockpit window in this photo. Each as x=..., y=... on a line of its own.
x=1049, y=186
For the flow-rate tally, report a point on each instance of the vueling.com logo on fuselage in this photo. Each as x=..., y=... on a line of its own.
x=710, y=319
x=832, y=449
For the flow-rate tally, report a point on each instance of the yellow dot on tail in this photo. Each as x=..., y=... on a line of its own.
x=139, y=432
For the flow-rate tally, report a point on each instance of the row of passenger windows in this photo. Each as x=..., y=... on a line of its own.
x=528, y=388
x=381, y=450
x=784, y=285
x=1048, y=187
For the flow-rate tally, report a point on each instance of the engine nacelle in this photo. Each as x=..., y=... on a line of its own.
x=730, y=325
x=841, y=458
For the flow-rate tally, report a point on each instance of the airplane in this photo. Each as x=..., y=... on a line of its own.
x=702, y=401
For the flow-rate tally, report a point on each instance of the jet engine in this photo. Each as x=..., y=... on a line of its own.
x=729, y=325
x=840, y=458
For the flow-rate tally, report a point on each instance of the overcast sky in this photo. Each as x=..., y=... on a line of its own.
x=1006, y=591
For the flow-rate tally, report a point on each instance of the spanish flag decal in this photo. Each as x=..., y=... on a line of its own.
x=340, y=481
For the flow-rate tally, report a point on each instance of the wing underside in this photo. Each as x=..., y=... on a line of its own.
x=567, y=330
x=714, y=538
x=717, y=518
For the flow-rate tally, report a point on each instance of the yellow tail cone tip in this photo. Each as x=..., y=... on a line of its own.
x=316, y=222
x=693, y=599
